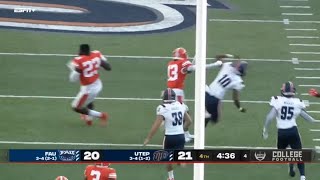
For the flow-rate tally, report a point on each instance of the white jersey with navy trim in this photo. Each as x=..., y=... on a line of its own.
x=173, y=114
x=288, y=109
x=226, y=79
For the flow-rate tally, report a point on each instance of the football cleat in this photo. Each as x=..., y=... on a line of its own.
x=292, y=172
x=288, y=89
x=87, y=119
x=104, y=118
x=302, y=178
x=180, y=53
x=168, y=95
x=61, y=178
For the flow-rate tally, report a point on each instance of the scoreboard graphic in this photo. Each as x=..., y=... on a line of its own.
x=160, y=156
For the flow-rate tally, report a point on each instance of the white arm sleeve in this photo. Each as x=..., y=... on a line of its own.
x=74, y=76
x=271, y=115
x=306, y=116
x=208, y=66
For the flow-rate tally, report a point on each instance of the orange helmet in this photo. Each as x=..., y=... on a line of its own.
x=61, y=178
x=103, y=164
x=180, y=53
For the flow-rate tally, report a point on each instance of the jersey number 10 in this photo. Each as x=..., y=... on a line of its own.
x=225, y=81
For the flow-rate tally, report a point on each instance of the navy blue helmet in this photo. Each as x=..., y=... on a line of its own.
x=168, y=95
x=242, y=68
x=288, y=89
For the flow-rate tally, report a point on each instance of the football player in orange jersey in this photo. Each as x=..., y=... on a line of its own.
x=85, y=68
x=177, y=71
x=100, y=172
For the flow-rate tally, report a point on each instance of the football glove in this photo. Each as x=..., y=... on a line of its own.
x=313, y=92
x=265, y=134
x=243, y=110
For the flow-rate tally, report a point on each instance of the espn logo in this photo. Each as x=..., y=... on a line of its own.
x=23, y=10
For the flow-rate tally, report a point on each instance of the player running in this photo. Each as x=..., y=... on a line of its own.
x=286, y=109
x=178, y=68
x=100, y=172
x=228, y=78
x=85, y=67
x=176, y=119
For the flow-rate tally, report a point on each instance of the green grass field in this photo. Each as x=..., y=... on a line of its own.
x=51, y=120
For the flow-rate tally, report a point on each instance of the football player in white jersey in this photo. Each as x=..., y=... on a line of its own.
x=176, y=120
x=286, y=109
x=228, y=78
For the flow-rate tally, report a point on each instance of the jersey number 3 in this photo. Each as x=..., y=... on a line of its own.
x=97, y=174
x=286, y=113
x=177, y=116
x=172, y=72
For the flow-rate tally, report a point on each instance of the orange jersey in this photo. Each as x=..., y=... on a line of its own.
x=177, y=72
x=89, y=66
x=96, y=172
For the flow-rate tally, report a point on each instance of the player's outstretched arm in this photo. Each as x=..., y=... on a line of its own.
x=187, y=121
x=306, y=116
x=271, y=115
x=156, y=125
x=106, y=65
x=235, y=96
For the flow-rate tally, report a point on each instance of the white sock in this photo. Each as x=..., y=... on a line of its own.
x=94, y=113
x=170, y=174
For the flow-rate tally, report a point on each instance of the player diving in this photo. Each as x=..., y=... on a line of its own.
x=229, y=78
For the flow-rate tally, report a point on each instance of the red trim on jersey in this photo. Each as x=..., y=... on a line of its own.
x=82, y=100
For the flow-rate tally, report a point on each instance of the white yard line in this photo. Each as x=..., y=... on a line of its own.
x=315, y=130
x=316, y=112
x=307, y=77
x=297, y=7
x=126, y=99
x=295, y=61
x=295, y=0
x=307, y=69
x=304, y=52
x=261, y=21
x=294, y=29
x=303, y=37
x=297, y=14
x=316, y=139
x=146, y=57
x=246, y=20
x=308, y=85
x=119, y=145
x=308, y=45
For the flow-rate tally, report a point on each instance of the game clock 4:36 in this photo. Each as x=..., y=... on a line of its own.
x=226, y=156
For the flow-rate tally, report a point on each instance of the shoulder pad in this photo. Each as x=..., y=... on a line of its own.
x=77, y=58
x=95, y=51
x=275, y=97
